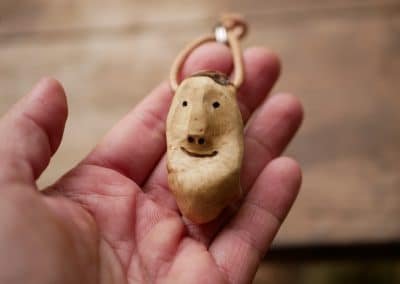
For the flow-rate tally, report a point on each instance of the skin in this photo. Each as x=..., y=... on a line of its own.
x=112, y=219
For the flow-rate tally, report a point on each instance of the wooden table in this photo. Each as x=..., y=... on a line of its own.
x=342, y=58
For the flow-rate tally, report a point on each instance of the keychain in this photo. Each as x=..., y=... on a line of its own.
x=205, y=131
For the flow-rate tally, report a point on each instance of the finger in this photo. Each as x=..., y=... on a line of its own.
x=262, y=70
x=137, y=142
x=268, y=133
x=31, y=132
x=240, y=246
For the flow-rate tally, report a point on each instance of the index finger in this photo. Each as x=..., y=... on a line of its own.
x=137, y=142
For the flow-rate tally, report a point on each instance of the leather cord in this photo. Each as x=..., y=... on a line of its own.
x=235, y=28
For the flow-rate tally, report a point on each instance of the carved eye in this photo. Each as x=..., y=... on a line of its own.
x=215, y=104
x=184, y=103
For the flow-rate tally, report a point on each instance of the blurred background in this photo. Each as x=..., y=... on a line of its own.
x=341, y=58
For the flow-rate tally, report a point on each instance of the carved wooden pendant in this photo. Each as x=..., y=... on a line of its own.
x=205, y=132
x=204, y=146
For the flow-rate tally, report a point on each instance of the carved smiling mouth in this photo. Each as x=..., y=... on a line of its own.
x=198, y=155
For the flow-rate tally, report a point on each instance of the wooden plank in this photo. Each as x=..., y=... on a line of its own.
x=346, y=71
x=344, y=66
x=61, y=16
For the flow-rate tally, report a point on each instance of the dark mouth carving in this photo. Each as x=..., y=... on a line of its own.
x=199, y=155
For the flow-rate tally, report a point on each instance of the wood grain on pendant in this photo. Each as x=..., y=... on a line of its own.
x=204, y=146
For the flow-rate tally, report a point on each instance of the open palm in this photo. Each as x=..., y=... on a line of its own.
x=112, y=219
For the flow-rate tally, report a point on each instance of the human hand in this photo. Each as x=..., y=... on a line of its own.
x=112, y=219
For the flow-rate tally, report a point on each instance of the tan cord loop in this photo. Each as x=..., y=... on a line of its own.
x=236, y=23
x=236, y=28
x=237, y=59
x=181, y=58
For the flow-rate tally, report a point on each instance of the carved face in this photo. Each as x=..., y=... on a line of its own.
x=204, y=147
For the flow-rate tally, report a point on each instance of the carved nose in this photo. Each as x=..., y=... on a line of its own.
x=196, y=139
x=197, y=125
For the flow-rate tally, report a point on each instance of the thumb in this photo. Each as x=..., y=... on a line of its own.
x=31, y=131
